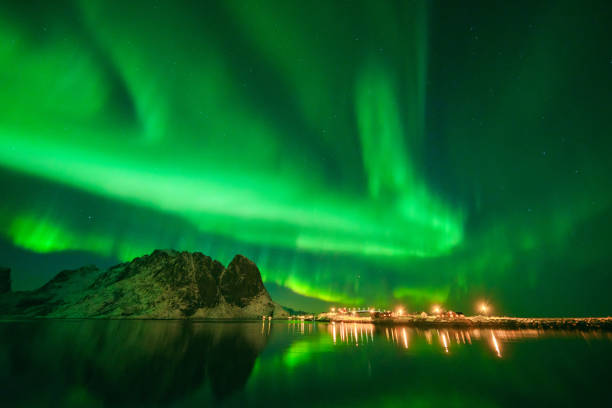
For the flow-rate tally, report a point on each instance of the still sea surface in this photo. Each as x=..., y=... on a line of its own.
x=91, y=363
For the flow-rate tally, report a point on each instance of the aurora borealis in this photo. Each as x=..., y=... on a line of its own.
x=359, y=152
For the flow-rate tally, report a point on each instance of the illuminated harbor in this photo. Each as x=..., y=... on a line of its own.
x=440, y=317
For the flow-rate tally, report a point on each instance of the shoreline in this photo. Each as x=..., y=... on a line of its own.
x=580, y=323
x=468, y=322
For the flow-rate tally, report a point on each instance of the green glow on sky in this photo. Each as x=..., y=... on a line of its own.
x=422, y=295
x=396, y=152
x=45, y=236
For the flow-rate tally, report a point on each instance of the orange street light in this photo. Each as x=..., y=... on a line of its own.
x=484, y=308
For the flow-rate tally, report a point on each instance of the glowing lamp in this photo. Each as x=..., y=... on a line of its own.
x=484, y=308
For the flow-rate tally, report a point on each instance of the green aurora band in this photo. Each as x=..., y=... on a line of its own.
x=303, y=137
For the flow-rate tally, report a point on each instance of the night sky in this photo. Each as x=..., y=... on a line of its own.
x=360, y=152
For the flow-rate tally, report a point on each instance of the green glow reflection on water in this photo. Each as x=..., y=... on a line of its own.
x=174, y=363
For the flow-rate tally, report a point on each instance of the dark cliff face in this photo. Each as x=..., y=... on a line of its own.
x=5, y=280
x=241, y=281
x=193, y=275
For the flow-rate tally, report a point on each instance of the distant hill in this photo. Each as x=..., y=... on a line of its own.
x=293, y=312
x=166, y=284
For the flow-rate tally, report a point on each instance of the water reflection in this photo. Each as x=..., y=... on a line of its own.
x=495, y=345
x=264, y=363
x=444, y=342
x=126, y=362
x=353, y=334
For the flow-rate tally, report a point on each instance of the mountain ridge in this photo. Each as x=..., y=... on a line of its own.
x=165, y=284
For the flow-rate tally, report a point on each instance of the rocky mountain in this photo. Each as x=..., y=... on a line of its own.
x=163, y=285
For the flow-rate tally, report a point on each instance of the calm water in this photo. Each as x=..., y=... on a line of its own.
x=173, y=363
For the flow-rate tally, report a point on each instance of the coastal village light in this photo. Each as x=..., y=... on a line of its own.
x=484, y=308
x=437, y=309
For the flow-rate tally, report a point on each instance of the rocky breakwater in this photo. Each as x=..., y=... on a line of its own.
x=582, y=323
x=496, y=322
x=166, y=284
